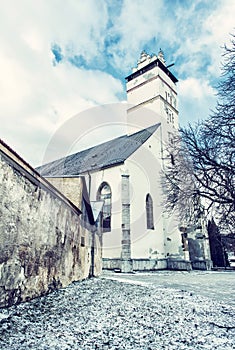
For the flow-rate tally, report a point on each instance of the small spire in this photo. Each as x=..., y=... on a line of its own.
x=143, y=56
x=160, y=56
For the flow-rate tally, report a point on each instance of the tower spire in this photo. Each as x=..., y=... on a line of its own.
x=161, y=57
x=143, y=57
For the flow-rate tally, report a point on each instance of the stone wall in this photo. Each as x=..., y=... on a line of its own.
x=178, y=264
x=71, y=187
x=43, y=245
x=137, y=264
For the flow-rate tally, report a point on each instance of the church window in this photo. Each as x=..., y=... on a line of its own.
x=104, y=194
x=149, y=212
x=170, y=116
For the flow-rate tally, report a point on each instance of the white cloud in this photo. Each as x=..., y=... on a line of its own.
x=37, y=98
x=196, y=100
x=201, y=31
x=197, y=88
x=220, y=24
x=138, y=23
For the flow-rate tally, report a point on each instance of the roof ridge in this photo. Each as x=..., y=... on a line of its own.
x=145, y=129
x=100, y=156
x=105, y=142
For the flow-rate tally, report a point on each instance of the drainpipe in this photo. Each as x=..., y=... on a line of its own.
x=92, y=224
x=93, y=229
x=92, y=268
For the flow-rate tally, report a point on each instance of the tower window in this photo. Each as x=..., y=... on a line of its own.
x=170, y=116
x=104, y=194
x=149, y=212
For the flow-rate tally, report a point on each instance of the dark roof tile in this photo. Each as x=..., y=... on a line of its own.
x=107, y=154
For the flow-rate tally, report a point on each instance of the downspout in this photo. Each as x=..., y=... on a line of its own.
x=93, y=230
x=92, y=269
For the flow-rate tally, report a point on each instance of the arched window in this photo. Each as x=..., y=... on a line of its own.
x=104, y=194
x=149, y=212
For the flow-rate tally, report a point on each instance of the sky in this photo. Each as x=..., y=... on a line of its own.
x=61, y=59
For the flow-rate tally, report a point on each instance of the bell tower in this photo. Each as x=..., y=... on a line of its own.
x=151, y=94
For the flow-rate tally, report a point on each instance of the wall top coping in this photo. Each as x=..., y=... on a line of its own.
x=19, y=163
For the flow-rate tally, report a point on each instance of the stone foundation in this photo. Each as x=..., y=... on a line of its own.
x=179, y=265
x=157, y=264
x=137, y=264
x=202, y=265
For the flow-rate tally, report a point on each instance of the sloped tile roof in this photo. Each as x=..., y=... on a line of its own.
x=99, y=157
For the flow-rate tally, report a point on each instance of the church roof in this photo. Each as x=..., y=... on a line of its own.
x=99, y=157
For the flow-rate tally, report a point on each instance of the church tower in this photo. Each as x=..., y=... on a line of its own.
x=151, y=94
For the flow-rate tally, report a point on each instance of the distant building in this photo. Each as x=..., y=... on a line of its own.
x=125, y=175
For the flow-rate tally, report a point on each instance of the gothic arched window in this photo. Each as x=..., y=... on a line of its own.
x=104, y=194
x=149, y=212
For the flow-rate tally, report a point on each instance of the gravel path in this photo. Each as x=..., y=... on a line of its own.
x=106, y=314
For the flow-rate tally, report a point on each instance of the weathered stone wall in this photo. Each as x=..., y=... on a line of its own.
x=71, y=187
x=42, y=243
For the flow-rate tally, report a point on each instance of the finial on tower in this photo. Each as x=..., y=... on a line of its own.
x=160, y=56
x=143, y=56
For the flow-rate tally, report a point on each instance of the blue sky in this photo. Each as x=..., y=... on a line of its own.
x=59, y=59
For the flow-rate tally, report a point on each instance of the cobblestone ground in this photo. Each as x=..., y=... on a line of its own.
x=103, y=313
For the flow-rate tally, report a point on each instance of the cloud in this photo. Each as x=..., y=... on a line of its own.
x=138, y=22
x=59, y=58
x=220, y=24
x=36, y=96
x=196, y=88
x=196, y=100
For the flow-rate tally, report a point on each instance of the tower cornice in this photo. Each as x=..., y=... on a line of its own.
x=156, y=63
x=151, y=79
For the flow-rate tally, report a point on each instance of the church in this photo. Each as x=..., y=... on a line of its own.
x=123, y=177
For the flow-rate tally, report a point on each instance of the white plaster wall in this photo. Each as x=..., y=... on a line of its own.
x=111, y=240
x=173, y=244
x=144, y=92
x=143, y=116
x=150, y=113
x=149, y=96
x=144, y=167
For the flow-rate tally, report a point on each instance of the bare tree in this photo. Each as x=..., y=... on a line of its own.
x=202, y=167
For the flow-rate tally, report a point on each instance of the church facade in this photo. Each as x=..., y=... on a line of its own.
x=124, y=178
